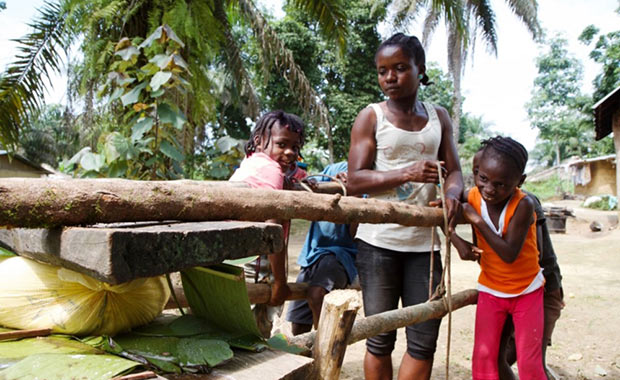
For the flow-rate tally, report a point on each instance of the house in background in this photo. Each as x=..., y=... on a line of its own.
x=606, y=121
x=594, y=176
x=19, y=166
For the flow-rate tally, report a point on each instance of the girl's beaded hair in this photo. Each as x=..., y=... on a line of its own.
x=412, y=47
x=509, y=149
x=265, y=124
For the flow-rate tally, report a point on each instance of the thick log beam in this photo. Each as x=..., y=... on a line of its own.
x=391, y=320
x=34, y=203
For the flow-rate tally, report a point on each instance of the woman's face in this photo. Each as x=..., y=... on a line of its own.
x=397, y=73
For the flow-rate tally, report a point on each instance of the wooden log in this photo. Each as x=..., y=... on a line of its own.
x=121, y=252
x=26, y=202
x=391, y=320
x=337, y=317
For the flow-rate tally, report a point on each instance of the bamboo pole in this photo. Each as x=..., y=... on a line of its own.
x=28, y=202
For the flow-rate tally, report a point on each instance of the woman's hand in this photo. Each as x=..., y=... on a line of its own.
x=424, y=171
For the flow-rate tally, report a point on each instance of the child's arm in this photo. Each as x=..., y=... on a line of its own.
x=508, y=246
x=467, y=250
x=277, y=262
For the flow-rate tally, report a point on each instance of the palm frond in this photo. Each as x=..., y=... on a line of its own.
x=405, y=11
x=527, y=11
x=331, y=15
x=484, y=16
x=23, y=84
x=233, y=55
x=430, y=23
x=273, y=47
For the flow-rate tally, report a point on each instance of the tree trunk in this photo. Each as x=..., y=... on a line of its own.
x=27, y=202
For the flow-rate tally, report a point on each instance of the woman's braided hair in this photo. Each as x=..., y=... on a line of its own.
x=265, y=124
x=509, y=149
x=412, y=47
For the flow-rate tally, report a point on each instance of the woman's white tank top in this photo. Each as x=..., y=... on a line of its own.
x=397, y=148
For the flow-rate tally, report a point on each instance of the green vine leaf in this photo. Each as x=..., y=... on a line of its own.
x=140, y=128
x=170, y=151
x=159, y=79
x=129, y=53
x=169, y=116
x=132, y=96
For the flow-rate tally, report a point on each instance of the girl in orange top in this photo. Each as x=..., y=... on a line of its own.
x=511, y=281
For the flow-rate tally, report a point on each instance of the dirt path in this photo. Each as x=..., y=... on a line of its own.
x=586, y=339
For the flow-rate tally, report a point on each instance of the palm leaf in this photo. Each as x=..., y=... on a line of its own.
x=331, y=15
x=430, y=23
x=235, y=64
x=23, y=84
x=484, y=16
x=527, y=11
x=273, y=47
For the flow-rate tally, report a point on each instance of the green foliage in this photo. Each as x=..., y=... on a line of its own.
x=22, y=85
x=148, y=79
x=555, y=108
x=441, y=90
x=471, y=133
x=605, y=202
x=50, y=136
x=551, y=188
x=606, y=52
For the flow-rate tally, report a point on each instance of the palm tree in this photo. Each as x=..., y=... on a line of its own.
x=464, y=19
x=205, y=26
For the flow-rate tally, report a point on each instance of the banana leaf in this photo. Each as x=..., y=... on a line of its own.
x=173, y=354
x=67, y=366
x=219, y=295
x=192, y=325
x=14, y=351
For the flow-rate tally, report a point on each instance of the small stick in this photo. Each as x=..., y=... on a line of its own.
x=18, y=334
x=137, y=376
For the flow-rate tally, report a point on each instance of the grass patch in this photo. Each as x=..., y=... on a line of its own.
x=551, y=188
x=299, y=227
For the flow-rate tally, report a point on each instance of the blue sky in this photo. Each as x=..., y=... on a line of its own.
x=495, y=88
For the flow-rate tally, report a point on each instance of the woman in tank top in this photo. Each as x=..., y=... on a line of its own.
x=395, y=147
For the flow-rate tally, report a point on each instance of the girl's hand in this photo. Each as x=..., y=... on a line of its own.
x=424, y=171
x=467, y=251
x=454, y=209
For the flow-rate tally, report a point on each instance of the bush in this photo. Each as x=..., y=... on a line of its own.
x=551, y=188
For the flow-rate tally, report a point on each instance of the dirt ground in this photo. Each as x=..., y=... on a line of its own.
x=586, y=339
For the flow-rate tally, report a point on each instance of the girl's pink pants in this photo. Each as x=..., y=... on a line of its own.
x=528, y=317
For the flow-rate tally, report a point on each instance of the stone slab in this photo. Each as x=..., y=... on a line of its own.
x=116, y=253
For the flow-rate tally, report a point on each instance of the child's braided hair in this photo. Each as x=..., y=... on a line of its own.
x=507, y=148
x=412, y=47
x=267, y=121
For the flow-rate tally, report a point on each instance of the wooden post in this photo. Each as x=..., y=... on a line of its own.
x=337, y=317
x=616, y=132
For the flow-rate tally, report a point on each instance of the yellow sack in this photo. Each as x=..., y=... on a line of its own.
x=35, y=295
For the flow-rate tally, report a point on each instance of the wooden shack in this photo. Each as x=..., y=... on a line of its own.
x=594, y=176
x=606, y=121
x=19, y=166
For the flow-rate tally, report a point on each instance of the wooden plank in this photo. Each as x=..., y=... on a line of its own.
x=122, y=252
x=266, y=365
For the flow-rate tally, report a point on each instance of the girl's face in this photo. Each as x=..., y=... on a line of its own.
x=397, y=73
x=496, y=179
x=283, y=146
